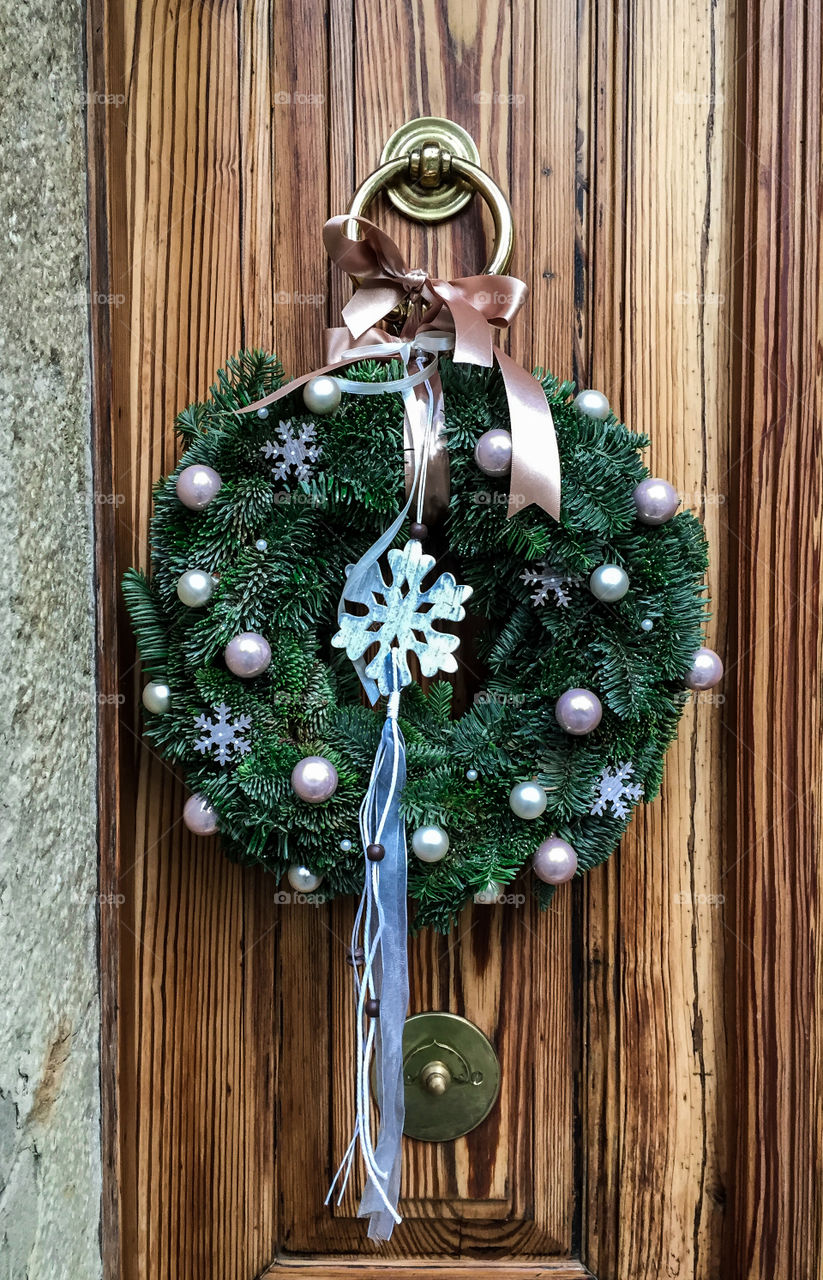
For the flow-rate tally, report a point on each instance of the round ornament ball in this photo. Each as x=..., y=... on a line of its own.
x=247, y=655
x=314, y=779
x=194, y=588
x=430, y=843
x=157, y=697
x=471, y=775
x=555, y=861
x=200, y=816
x=322, y=395
x=261, y=544
x=578, y=711
x=647, y=625
x=346, y=845
x=302, y=880
x=706, y=670
x=528, y=800
x=593, y=404
x=493, y=452
x=492, y=893
x=655, y=500
x=197, y=485
x=609, y=583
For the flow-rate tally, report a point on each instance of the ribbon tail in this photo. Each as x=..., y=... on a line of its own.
x=535, y=474
x=391, y=982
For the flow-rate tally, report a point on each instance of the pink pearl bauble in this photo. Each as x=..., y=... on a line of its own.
x=706, y=670
x=197, y=485
x=493, y=452
x=555, y=861
x=247, y=655
x=314, y=779
x=656, y=501
x=200, y=816
x=578, y=711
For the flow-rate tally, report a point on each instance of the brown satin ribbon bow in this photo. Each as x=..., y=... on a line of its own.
x=471, y=308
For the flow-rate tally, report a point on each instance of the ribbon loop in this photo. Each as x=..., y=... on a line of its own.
x=471, y=308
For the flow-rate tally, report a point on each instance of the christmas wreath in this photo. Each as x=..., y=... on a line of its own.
x=582, y=641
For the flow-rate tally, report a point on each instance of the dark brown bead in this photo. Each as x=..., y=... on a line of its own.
x=419, y=531
x=358, y=956
x=375, y=852
x=373, y=1008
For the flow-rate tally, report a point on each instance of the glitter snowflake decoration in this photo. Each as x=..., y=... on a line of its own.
x=399, y=617
x=223, y=737
x=294, y=450
x=547, y=580
x=615, y=791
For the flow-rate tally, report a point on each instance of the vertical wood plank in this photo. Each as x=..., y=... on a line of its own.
x=656, y=101
x=773, y=872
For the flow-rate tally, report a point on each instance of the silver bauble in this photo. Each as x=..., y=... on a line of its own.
x=593, y=403
x=157, y=697
x=302, y=880
x=609, y=583
x=321, y=395
x=493, y=452
x=430, y=843
x=195, y=587
x=528, y=800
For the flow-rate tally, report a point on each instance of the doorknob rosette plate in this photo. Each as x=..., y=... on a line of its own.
x=419, y=195
x=452, y=1076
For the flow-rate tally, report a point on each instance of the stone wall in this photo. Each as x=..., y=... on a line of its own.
x=49, y=1014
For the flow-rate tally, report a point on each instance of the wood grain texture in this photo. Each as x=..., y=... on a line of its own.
x=773, y=871
x=663, y=165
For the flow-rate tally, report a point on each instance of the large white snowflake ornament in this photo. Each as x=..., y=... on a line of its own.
x=399, y=616
x=615, y=791
x=223, y=737
x=294, y=450
x=547, y=580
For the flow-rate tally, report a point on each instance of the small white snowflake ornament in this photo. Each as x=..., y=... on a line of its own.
x=547, y=580
x=615, y=791
x=294, y=450
x=223, y=737
x=399, y=617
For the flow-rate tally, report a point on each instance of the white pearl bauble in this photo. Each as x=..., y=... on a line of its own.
x=195, y=588
x=471, y=775
x=493, y=452
x=609, y=583
x=646, y=624
x=528, y=800
x=263, y=413
x=346, y=846
x=430, y=844
x=322, y=395
x=593, y=403
x=490, y=895
x=261, y=544
x=302, y=880
x=157, y=697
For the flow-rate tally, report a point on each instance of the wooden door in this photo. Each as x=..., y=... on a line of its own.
x=660, y=1112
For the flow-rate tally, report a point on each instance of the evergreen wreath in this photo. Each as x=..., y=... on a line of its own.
x=302, y=497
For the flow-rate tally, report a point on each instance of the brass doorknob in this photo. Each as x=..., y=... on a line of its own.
x=451, y=1074
x=430, y=168
x=436, y=1077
